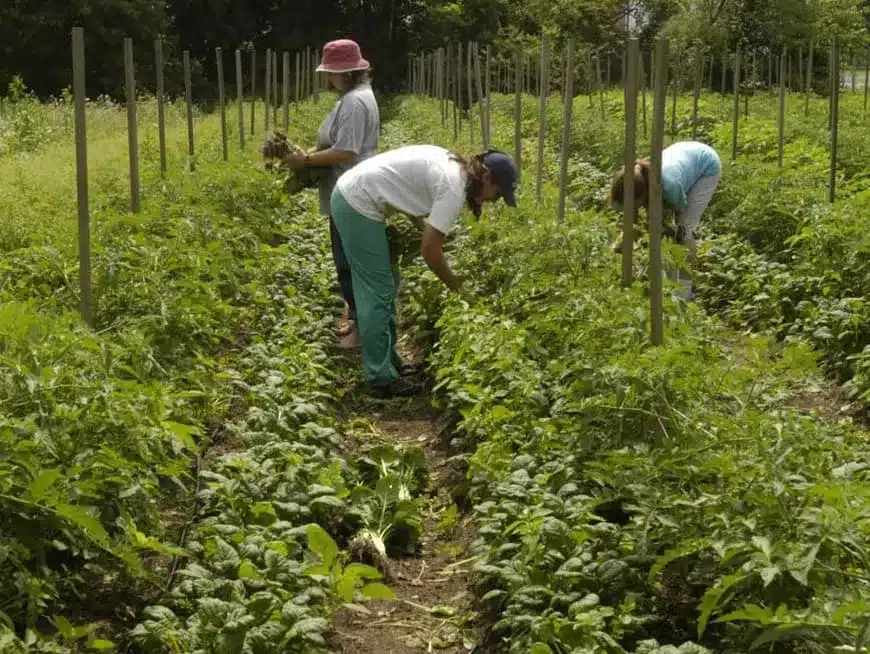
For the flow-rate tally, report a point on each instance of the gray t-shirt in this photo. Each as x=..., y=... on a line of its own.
x=353, y=125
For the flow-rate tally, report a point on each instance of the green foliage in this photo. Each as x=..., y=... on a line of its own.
x=624, y=493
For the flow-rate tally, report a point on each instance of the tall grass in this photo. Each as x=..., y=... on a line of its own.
x=37, y=160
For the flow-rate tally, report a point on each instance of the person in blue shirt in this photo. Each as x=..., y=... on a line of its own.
x=690, y=174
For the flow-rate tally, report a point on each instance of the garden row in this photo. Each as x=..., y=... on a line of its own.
x=778, y=257
x=632, y=499
x=185, y=456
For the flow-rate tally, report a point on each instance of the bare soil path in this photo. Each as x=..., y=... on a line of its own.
x=431, y=612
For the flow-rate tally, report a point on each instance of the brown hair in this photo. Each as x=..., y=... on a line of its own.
x=641, y=182
x=475, y=170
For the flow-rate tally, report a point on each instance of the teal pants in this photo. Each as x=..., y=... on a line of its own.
x=375, y=284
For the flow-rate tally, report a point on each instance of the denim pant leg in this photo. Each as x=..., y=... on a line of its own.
x=342, y=269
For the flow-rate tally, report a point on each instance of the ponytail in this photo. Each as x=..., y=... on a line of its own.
x=641, y=182
x=475, y=170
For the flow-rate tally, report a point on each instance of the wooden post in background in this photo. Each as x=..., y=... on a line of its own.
x=188, y=100
x=481, y=100
x=736, y=103
x=598, y=82
x=835, y=116
x=253, y=89
x=809, y=84
x=831, y=84
x=275, y=97
x=222, y=101
x=297, y=81
x=699, y=72
x=542, y=118
x=675, y=83
x=161, y=114
x=566, y=128
x=633, y=61
x=459, y=68
x=468, y=77
x=78, y=57
x=518, y=112
x=643, y=85
x=314, y=77
x=286, y=83
x=800, y=63
x=267, y=88
x=781, y=115
x=655, y=194
x=240, y=98
x=453, y=88
x=488, y=91
x=866, y=81
x=132, y=125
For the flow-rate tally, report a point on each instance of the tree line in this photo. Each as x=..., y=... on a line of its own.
x=35, y=34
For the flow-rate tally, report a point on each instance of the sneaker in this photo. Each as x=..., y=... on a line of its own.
x=398, y=388
x=350, y=340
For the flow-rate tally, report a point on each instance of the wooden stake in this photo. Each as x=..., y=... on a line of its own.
x=268, y=87
x=468, y=77
x=488, y=93
x=240, y=98
x=222, y=101
x=188, y=100
x=655, y=195
x=781, y=117
x=598, y=81
x=275, y=100
x=566, y=128
x=809, y=84
x=542, y=116
x=286, y=83
x=481, y=100
x=161, y=114
x=518, y=112
x=253, y=90
x=699, y=72
x=633, y=62
x=643, y=85
x=835, y=117
x=675, y=84
x=866, y=82
x=79, y=94
x=736, y=103
x=297, y=81
x=132, y=127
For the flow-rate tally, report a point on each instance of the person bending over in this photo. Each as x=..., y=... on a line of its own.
x=690, y=173
x=418, y=181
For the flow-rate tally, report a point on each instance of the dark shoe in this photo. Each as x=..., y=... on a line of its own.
x=398, y=388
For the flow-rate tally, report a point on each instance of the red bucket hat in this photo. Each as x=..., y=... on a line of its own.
x=342, y=56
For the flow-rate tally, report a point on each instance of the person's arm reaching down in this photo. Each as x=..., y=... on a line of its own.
x=432, y=249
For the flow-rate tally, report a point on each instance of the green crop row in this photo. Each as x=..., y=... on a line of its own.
x=636, y=499
x=777, y=257
x=199, y=410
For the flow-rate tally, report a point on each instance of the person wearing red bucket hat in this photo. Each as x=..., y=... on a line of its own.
x=348, y=135
x=431, y=185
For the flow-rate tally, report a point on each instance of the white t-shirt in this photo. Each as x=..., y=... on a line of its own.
x=418, y=180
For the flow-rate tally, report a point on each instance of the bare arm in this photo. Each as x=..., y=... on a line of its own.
x=330, y=157
x=432, y=249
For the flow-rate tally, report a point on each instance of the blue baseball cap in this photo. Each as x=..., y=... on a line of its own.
x=504, y=173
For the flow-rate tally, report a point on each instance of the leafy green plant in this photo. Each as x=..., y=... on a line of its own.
x=346, y=580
